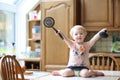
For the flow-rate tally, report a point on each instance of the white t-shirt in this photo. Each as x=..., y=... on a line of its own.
x=78, y=56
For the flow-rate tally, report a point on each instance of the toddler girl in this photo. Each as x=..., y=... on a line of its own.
x=78, y=63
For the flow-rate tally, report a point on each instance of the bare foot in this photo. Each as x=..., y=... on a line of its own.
x=96, y=73
x=55, y=73
x=99, y=74
x=93, y=74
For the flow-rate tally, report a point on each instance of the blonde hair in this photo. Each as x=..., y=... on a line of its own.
x=77, y=27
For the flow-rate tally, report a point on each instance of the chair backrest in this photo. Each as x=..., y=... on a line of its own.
x=103, y=61
x=10, y=68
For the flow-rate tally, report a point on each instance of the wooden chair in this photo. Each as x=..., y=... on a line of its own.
x=103, y=61
x=10, y=69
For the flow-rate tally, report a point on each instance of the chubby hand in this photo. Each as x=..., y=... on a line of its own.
x=103, y=30
x=58, y=32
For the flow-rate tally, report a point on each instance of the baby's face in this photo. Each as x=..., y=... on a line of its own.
x=79, y=36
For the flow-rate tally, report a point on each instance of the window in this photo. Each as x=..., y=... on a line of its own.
x=11, y=2
x=7, y=35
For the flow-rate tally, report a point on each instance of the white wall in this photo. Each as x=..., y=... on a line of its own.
x=21, y=24
x=7, y=7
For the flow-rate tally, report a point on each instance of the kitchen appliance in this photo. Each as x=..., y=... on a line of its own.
x=116, y=44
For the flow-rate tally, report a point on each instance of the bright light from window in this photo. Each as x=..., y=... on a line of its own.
x=7, y=31
x=9, y=1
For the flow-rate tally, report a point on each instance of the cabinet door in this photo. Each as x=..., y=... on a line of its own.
x=96, y=14
x=117, y=14
x=54, y=50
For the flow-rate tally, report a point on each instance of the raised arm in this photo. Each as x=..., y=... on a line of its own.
x=66, y=39
x=96, y=37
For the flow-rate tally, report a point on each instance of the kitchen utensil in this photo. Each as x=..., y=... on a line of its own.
x=104, y=34
x=49, y=23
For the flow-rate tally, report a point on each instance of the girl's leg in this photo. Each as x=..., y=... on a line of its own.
x=56, y=73
x=64, y=72
x=90, y=73
x=98, y=73
x=86, y=73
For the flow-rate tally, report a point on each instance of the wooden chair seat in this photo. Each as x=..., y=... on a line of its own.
x=103, y=61
x=10, y=69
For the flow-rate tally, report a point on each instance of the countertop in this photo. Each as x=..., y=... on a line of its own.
x=29, y=59
x=109, y=75
x=114, y=54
